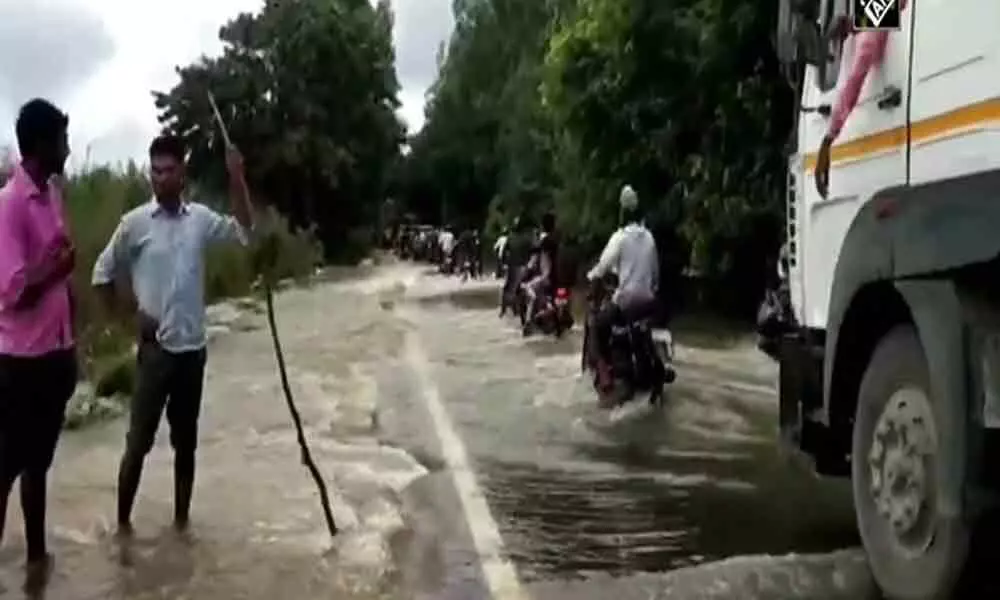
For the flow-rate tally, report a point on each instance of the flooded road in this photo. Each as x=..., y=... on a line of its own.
x=257, y=524
x=588, y=506
x=465, y=463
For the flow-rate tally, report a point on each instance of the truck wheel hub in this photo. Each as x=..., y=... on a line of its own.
x=901, y=469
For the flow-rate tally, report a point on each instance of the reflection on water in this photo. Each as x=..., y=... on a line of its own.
x=573, y=492
x=696, y=481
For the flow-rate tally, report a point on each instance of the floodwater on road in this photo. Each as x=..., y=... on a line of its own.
x=594, y=506
x=258, y=530
x=465, y=462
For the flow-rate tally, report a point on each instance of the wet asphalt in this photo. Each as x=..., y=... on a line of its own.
x=666, y=502
x=691, y=501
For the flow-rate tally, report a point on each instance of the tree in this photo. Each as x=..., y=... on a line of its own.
x=557, y=103
x=309, y=91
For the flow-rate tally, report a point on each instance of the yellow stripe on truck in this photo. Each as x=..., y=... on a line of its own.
x=929, y=128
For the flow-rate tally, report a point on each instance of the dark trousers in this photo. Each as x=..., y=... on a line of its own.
x=171, y=381
x=477, y=261
x=610, y=315
x=510, y=284
x=33, y=396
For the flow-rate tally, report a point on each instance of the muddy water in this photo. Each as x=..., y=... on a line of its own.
x=587, y=507
x=258, y=531
x=577, y=494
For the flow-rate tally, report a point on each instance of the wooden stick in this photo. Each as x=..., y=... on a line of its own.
x=219, y=121
x=307, y=458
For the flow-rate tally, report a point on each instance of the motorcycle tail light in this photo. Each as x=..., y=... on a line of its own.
x=562, y=293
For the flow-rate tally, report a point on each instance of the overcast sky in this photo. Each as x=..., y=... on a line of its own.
x=99, y=59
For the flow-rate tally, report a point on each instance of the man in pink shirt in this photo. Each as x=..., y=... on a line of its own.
x=869, y=50
x=38, y=368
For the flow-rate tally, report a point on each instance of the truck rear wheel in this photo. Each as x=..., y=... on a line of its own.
x=915, y=551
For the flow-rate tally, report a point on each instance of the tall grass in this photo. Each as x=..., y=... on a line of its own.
x=95, y=201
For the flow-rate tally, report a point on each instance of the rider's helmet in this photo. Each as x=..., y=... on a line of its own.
x=628, y=200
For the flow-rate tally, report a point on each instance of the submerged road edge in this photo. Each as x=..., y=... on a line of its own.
x=501, y=576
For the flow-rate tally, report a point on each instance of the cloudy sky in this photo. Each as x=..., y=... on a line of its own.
x=99, y=59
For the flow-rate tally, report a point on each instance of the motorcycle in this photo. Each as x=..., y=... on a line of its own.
x=641, y=356
x=447, y=265
x=775, y=318
x=467, y=269
x=554, y=316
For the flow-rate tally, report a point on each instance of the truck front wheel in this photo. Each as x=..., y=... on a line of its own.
x=915, y=551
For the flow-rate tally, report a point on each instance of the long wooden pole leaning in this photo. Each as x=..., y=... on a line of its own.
x=266, y=277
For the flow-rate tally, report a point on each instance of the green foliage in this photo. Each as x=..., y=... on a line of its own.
x=114, y=375
x=557, y=103
x=280, y=253
x=95, y=201
x=308, y=91
x=487, y=138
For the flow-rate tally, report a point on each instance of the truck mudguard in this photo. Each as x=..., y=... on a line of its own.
x=908, y=235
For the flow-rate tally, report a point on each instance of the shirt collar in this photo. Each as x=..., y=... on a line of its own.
x=26, y=185
x=159, y=210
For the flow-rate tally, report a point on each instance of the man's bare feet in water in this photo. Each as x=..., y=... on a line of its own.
x=125, y=532
x=182, y=527
x=182, y=524
x=37, y=573
x=124, y=536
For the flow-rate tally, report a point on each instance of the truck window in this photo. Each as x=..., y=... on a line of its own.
x=830, y=10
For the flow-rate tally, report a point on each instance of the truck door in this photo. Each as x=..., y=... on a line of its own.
x=954, y=108
x=869, y=155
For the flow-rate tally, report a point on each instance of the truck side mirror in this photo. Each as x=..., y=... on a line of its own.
x=798, y=38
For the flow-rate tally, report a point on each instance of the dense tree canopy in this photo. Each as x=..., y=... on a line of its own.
x=309, y=92
x=544, y=104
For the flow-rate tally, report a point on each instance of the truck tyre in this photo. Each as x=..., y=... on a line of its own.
x=915, y=551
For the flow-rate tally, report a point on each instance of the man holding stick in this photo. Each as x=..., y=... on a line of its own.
x=161, y=247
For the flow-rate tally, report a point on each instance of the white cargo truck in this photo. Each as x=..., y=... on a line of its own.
x=891, y=375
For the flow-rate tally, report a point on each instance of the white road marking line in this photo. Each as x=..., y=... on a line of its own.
x=501, y=576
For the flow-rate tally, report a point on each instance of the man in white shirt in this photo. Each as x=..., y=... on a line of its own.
x=446, y=240
x=631, y=254
x=500, y=252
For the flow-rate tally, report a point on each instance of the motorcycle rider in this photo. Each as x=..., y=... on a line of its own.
x=547, y=259
x=446, y=243
x=775, y=315
x=518, y=250
x=477, y=254
x=462, y=252
x=500, y=251
x=466, y=251
x=631, y=254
